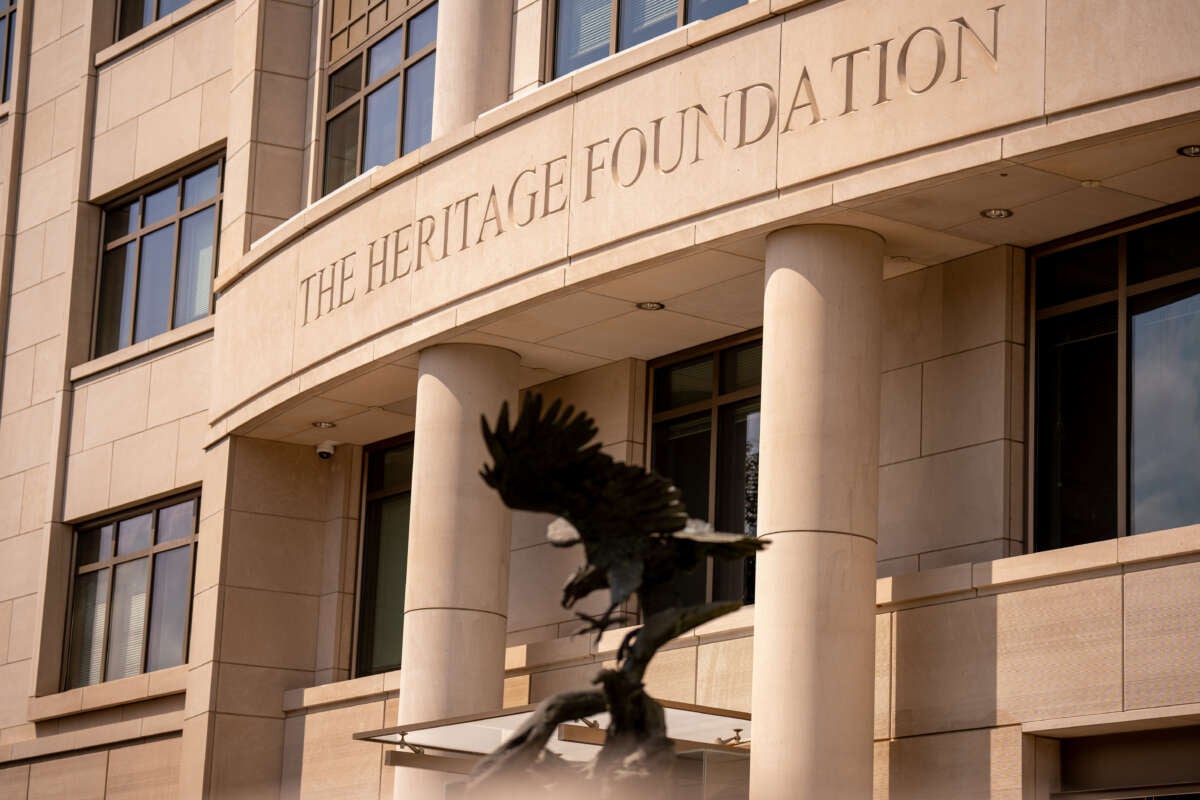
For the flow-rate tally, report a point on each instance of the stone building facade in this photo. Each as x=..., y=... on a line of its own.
x=909, y=288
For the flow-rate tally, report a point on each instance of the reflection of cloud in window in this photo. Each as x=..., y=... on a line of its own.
x=1165, y=468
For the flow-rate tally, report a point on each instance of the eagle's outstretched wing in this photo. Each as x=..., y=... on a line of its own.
x=543, y=462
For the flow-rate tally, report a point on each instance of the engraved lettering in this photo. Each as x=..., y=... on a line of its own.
x=810, y=102
x=849, y=107
x=939, y=63
x=424, y=238
x=307, y=284
x=553, y=182
x=882, y=96
x=325, y=293
x=592, y=168
x=993, y=53
x=491, y=212
x=466, y=204
x=743, y=113
x=512, y=192
x=657, y=147
x=702, y=116
x=402, y=234
x=380, y=262
x=615, y=169
x=346, y=276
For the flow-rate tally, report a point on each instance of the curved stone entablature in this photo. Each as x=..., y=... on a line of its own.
x=761, y=126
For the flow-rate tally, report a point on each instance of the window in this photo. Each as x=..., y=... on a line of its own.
x=133, y=15
x=1117, y=404
x=157, y=262
x=384, y=557
x=8, y=24
x=379, y=100
x=132, y=593
x=704, y=437
x=583, y=29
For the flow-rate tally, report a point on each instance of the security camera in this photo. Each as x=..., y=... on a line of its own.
x=325, y=449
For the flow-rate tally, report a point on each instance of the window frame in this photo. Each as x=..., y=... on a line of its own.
x=332, y=65
x=149, y=553
x=713, y=405
x=137, y=235
x=1121, y=297
x=8, y=12
x=368, y=497
x=550, y=35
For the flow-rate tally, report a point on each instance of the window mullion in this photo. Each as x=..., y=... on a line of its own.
x=613, y=30
x=112, y=574
x=133, y=291
x=149, y=595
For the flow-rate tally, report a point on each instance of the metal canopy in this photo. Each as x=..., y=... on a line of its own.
x=692, y=727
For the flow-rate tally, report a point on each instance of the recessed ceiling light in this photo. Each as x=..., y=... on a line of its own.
x=1090, y=184
x=1189, y=151
x=651, y=305
x=995, y=213
x=324, y=425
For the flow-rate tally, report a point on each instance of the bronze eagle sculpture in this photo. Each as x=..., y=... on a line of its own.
x=631, y=522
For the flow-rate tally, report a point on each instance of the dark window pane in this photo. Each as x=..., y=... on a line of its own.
x=345, y=83
x=741, y=367
x=380, y=126
x=114, y=323
x=681, y=450
x=391, y=469
x=385, y=562
x=5, y=64
x=1076, y=485
x=135, y=14
x=120, y=221
x=94, y=545
x=385, y=56
x=133, y=534
x=154, y=283
x=128, y=627
x=341, y=148
x=201, y=186
x=422, y=29
x=1165, y=409
x=194, y=273
x=680, y=384
x=8, y=49
x=176, y=522
x=641, y=20
x=88, y=616
x=418, y=103
x=169, y=608
x=737, y=494
x=706, y=9
x=1078, y=272
x=583, y=30
x=1165, y=248
x=160, y=205
x=681, y=453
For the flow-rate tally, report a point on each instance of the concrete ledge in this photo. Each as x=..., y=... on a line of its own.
x=153, y=30
x=1139, y=719
x=146, y=347
x=97, y=736
x=136, y=688
x=340, y=692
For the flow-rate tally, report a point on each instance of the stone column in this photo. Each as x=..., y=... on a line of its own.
x=456, y=596
x=474, y=42
x=814, y=615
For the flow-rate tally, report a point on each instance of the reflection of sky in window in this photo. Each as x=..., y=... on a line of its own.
x=752, y=433
x=1165, y=469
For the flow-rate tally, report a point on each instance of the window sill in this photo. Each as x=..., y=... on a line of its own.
x=153, y=30
x=146, y=686
x=143, y=348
